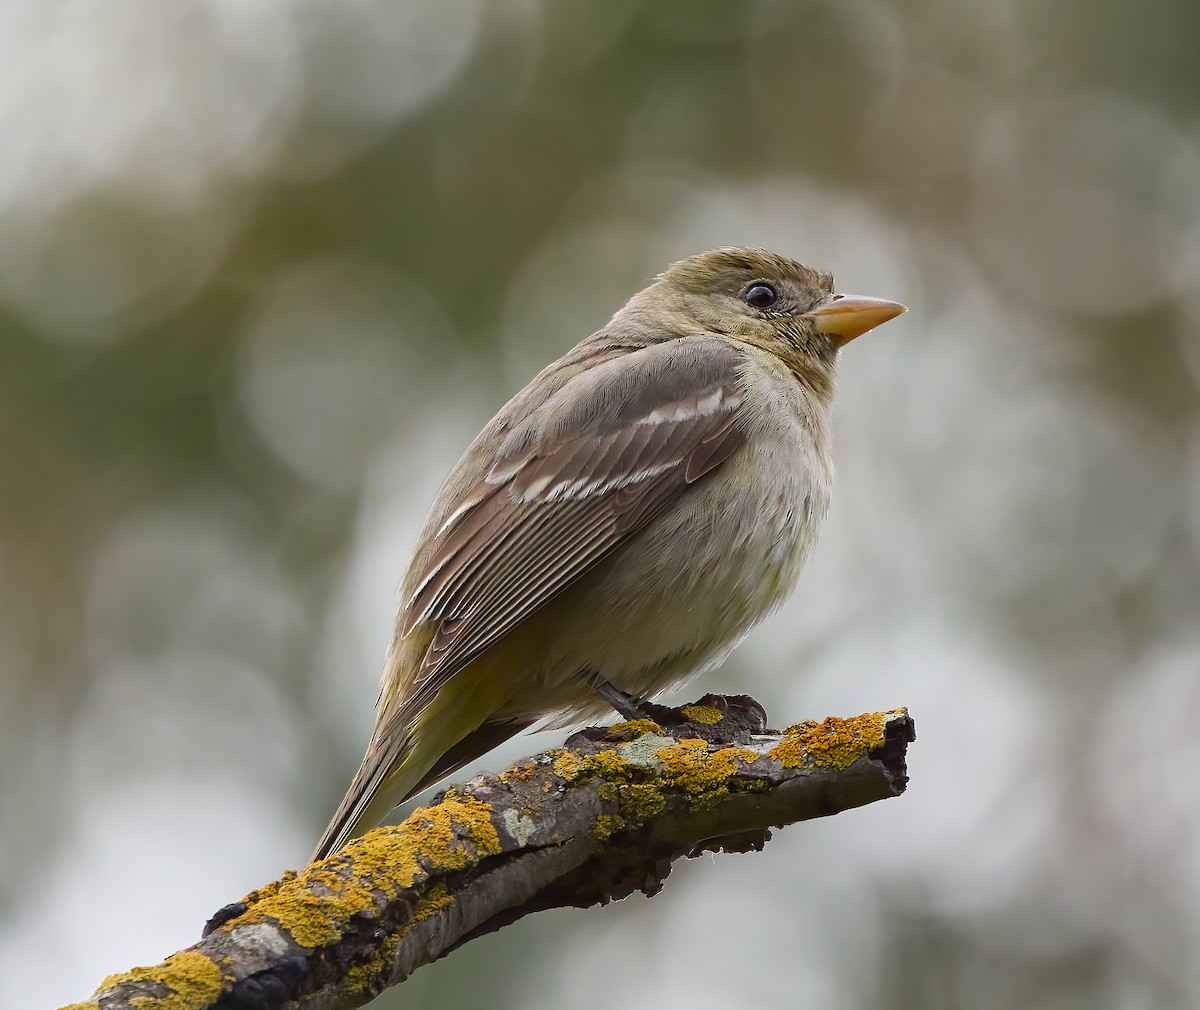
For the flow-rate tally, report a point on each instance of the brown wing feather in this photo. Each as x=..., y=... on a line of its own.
x=489, y=735
x=606, y=454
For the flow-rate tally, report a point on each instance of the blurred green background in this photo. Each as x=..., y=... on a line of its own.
x=265, y=267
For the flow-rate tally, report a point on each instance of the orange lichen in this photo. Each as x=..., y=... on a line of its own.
x=190, y=978
x=316, y=906
x=835, y=743
x=706, y=715
x=522, y=771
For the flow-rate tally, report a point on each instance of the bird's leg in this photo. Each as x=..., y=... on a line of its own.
x=737, y=713
x=625, y=705
x=630, y=707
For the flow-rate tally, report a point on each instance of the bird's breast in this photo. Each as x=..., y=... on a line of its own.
x=679, y=595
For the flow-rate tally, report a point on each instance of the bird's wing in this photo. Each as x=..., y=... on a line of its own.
x=578, y=475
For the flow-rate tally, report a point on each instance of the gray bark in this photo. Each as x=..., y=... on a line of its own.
x=596, y=820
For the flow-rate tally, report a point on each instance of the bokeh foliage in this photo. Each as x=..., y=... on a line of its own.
x=265, y=268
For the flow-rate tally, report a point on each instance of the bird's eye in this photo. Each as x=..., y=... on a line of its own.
x=761, y=296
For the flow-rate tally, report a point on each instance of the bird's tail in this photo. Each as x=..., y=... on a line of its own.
x=385, y=780
x=419, y=740
x=375, y=790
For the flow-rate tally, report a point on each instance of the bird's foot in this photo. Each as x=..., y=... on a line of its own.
x=739, y=709
x=631, y=708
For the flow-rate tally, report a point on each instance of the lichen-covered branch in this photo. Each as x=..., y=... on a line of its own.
x=598, y=819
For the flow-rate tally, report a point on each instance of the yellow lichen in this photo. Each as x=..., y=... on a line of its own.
x=632, y=729
x=835, y=743
x=316, y=906
x=641, y=800
x=706, y=715
x=666, y=763
x=569, y=765
x=439, y=897
x=371, y=976
x=637, y=782
x=704, y=776
x=191, y=978
x=608, y=825
x=606, y=764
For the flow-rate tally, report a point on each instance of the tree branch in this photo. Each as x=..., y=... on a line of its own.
x=598, y=819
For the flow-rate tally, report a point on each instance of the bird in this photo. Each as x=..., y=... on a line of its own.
x=620, y=524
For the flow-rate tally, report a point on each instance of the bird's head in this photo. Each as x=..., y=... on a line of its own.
x=770, y=301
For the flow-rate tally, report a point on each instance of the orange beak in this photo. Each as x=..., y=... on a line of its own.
x=850, y=316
